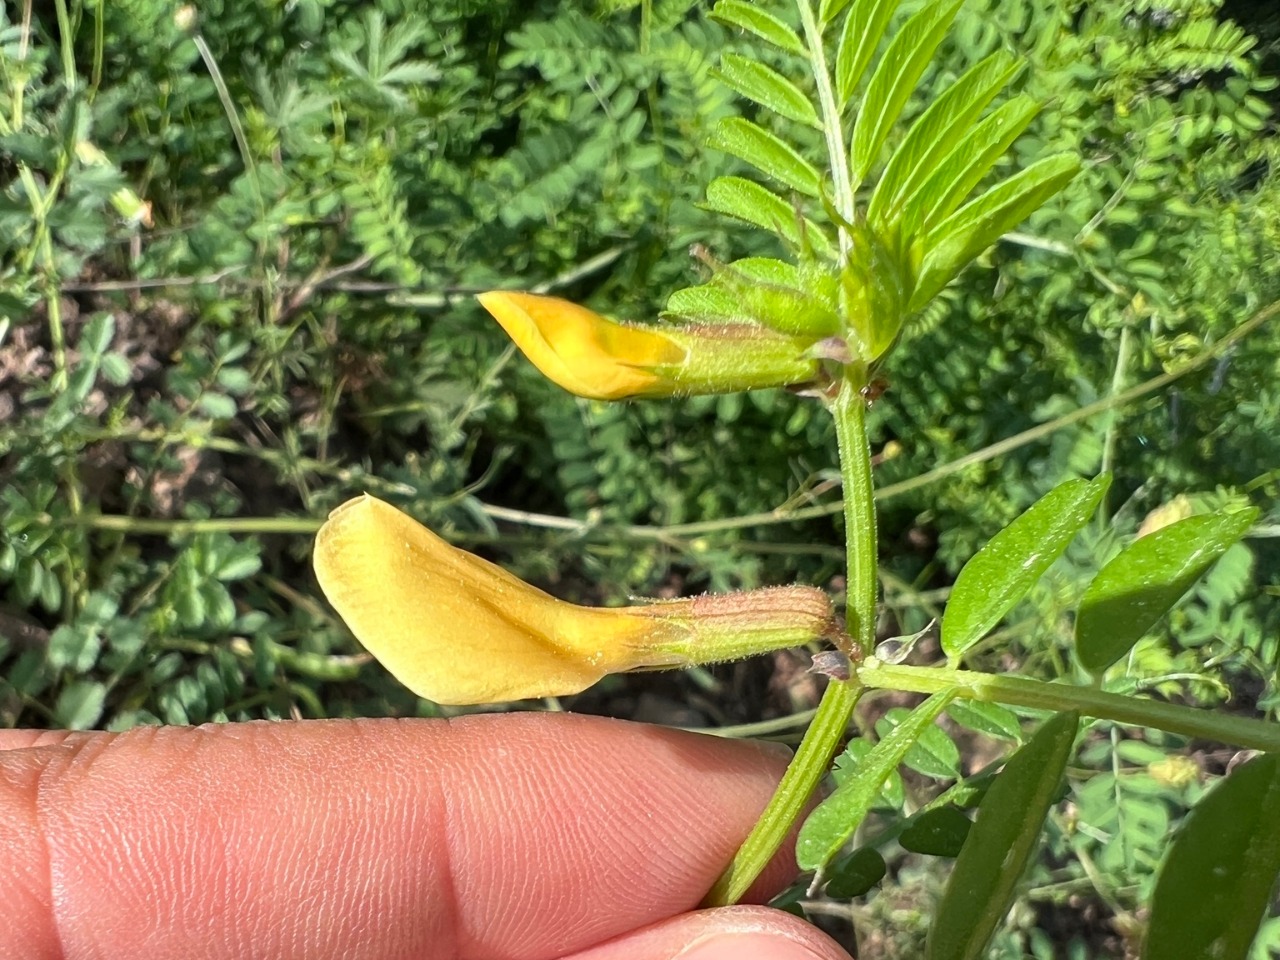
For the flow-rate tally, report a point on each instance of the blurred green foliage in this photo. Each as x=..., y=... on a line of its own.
x=237, y=247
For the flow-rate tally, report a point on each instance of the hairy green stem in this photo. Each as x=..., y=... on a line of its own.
x=860, y=537
x=807, y=767
x=823, y=737
x=1025, y=692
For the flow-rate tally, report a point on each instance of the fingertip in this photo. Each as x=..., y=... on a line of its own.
x=726, y=933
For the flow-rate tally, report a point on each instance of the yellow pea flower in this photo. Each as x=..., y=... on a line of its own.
x=457, y=629
x=600, y=359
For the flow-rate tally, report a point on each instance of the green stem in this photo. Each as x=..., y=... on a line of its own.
x=1023, y=691
x=850, y=413
x=808, y=766
x=142, y=526
x=821, y=740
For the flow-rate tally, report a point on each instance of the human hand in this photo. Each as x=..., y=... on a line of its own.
x=485, y=838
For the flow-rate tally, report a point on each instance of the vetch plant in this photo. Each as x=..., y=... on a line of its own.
x=873, y=235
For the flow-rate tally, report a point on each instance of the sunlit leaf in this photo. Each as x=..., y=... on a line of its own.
x=767, y=153
x=768, y=88
x=999, y=575
x=1218, y=876
x=755, y=204
x=1000, y=843
x=895, y=78
x=955, y=243
x=971, y=160
x=936, y=132
x=828, y=10
x=934, y=754
x=838, y=817
x=863, y=28
x=1139, y=586
x=749, y=17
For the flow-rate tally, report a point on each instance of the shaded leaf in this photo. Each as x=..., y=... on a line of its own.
x=999, y=575
x=854, y=875
x=768, y=88
x=895, y=78
x=1000, y=843
x=98, y=334
x=934, y=754
x=958, y=240
x=749, y=17
x=863, y=28
x=939, y=832
x=1139, y=585
x=1217, y=878
x=989, y=718
x=836, y=819
x=766, y=153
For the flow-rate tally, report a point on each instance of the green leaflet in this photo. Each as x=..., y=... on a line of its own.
x=855, y=874
x=989, y=718
x=935, y=133
x=950, y=247
x=753, y=203
x=934, y=754
x=828, y=10
x=1217, y=878
x=767, y=153
x=749, y=17
x=895, y=78
x=971, y=160
x=768, y=88
x=836, y=819
x=1000, y=843
x=939, y=832
x=1139, y=585
x=999, y=575
x=863, y=28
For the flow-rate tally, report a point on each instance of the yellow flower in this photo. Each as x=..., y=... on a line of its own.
x=600, y=359
x=457, y=629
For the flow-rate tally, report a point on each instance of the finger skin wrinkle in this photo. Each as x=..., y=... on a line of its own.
x=29, y=929
x=515, y=837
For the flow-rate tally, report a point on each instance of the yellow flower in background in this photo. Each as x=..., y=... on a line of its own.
x=600, y=359
x=456, y=629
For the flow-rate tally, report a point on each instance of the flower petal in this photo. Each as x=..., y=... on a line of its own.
x=450, y=626
x=580, y=350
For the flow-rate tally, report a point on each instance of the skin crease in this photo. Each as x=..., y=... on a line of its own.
x=512, y=837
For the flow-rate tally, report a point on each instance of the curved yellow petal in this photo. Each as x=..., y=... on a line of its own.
x=457, y=629
x=580, y=350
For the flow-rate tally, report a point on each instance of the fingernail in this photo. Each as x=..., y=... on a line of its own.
x=747, y=946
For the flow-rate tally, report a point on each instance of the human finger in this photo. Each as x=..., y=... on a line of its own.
x=728, y=933
x=516, y=836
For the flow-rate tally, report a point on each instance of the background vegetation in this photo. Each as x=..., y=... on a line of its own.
x=237, y=248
